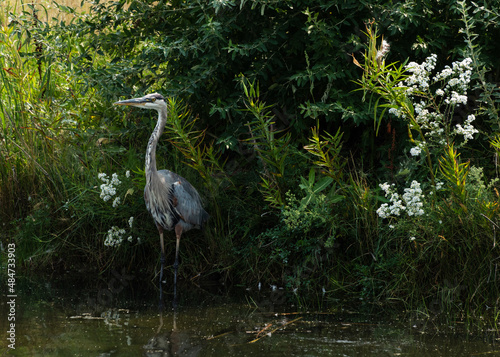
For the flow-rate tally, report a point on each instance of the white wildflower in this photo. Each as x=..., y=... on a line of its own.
x=383, y=211
x=108, y=188
x=103, y=177
x=430, y=62
x=445, y=73
x=114, y=237
x=420, y=73
x=411, y=202
x=413, y=199
x=468, y=129
x=114, y=180
x=130, y=221
x=385, y=186
x=396, y=208
x=116, y=202
x=415, y=151
x=397, y=112
x=456, y=99
x=461, y=73
x=127, y=174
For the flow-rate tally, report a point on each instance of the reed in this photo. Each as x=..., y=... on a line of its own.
x=28, y=125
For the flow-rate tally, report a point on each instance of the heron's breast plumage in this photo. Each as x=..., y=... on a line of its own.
x=160, y=202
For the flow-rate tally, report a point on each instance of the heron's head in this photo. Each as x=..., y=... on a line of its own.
x=149, y=101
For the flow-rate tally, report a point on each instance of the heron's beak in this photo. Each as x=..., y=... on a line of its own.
x=132, y=102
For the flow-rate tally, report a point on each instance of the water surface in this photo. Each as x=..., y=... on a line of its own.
x=120, y=317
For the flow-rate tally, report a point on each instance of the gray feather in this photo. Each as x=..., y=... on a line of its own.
x=171, y=199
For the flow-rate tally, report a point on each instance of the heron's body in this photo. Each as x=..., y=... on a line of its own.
x=172, y=201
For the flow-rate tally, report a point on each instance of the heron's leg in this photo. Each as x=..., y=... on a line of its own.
x=178, y=232
x=162, y=261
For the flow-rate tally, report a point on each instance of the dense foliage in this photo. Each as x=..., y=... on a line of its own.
x=330, y=163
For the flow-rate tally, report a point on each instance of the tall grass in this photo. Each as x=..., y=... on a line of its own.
x=43, y=149
x=29, y=126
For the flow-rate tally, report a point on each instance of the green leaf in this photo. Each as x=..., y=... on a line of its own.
x=312, y=176
x=304, y=184
x=322, y=184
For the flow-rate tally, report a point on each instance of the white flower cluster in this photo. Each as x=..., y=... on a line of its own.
x=415, y=151
x=108, y=188
x=396, y=206
x=461, y=73
x=457, y=79
x=397, y=112
x=453, y=82
x=439, y=185
x=116, y=202
x=412, y=199
x=456, y=98
x=467, y=130
x=420, y=74
x=114, y=237
x=430, y=121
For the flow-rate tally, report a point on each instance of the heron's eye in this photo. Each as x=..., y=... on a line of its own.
x=153, y=100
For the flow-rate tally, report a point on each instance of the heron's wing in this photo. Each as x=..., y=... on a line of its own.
x=185, y=199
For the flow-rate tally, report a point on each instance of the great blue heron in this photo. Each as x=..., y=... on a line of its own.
x=172, y=201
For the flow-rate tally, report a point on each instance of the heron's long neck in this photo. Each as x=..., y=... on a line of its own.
x=153, y=141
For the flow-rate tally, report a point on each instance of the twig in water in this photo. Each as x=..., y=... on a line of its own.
x=276, y=329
